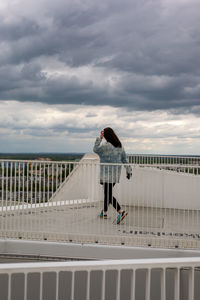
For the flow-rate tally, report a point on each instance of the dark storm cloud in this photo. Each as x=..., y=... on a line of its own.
x=17, y=30
x=151, y=47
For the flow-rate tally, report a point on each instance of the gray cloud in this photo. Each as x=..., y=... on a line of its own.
x=142, y=55
x=16, y=30
x=30, y=127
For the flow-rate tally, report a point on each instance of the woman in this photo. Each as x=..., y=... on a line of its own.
x=111, y=152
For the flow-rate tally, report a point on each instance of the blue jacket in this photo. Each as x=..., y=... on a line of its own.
x=112, y=155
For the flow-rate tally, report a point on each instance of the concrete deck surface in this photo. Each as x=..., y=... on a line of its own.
x=82, y=219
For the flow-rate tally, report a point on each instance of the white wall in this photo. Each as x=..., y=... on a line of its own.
x=148, y=187
x=83, y=182
x=151, y=187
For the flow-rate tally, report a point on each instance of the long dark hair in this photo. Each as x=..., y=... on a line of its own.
x=111, y=137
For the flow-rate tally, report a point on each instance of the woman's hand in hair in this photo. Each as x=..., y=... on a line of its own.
x=101, y=135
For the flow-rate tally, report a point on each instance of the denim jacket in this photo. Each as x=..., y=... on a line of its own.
x=110, y=154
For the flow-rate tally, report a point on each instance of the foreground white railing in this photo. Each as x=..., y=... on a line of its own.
x=164, y=159
x=148, y=279
x=63, y=204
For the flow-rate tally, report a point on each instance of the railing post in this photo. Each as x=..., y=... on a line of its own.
x=9, y=286
x=103, y=285
x=25, y=286
x=148, y=285
x=133, y=279
x=177, y=284
x=41, y=285
x=73, y=285
x=163, y=284
x=191, y=284
x=57, y=285
x=88, y=286
x=118, y=285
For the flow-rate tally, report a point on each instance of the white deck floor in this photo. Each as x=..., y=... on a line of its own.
x=72, y=222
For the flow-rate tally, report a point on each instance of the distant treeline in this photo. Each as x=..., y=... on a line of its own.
x=34, y=156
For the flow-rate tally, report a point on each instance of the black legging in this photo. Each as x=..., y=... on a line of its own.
x=108, y=198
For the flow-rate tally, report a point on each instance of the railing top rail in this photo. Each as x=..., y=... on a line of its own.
x=158, y=263
x=163, y=155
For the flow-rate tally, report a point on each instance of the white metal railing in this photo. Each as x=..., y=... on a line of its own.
x=162, y=203
x=148, y=279
x=163, y=159
x=31, y=181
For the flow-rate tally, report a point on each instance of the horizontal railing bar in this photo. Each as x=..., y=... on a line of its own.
x=153, y=263
x=162, y=155
x=106, y=164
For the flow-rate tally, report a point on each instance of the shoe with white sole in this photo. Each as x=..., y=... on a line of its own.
x=121, y=216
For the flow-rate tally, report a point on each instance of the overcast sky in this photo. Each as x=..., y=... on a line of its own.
x=69, y=68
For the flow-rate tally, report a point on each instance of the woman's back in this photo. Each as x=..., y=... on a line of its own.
x=113, y=155
x=108, y=153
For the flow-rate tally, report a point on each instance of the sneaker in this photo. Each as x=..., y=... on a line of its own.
x=102, y=215
x=121, y=216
